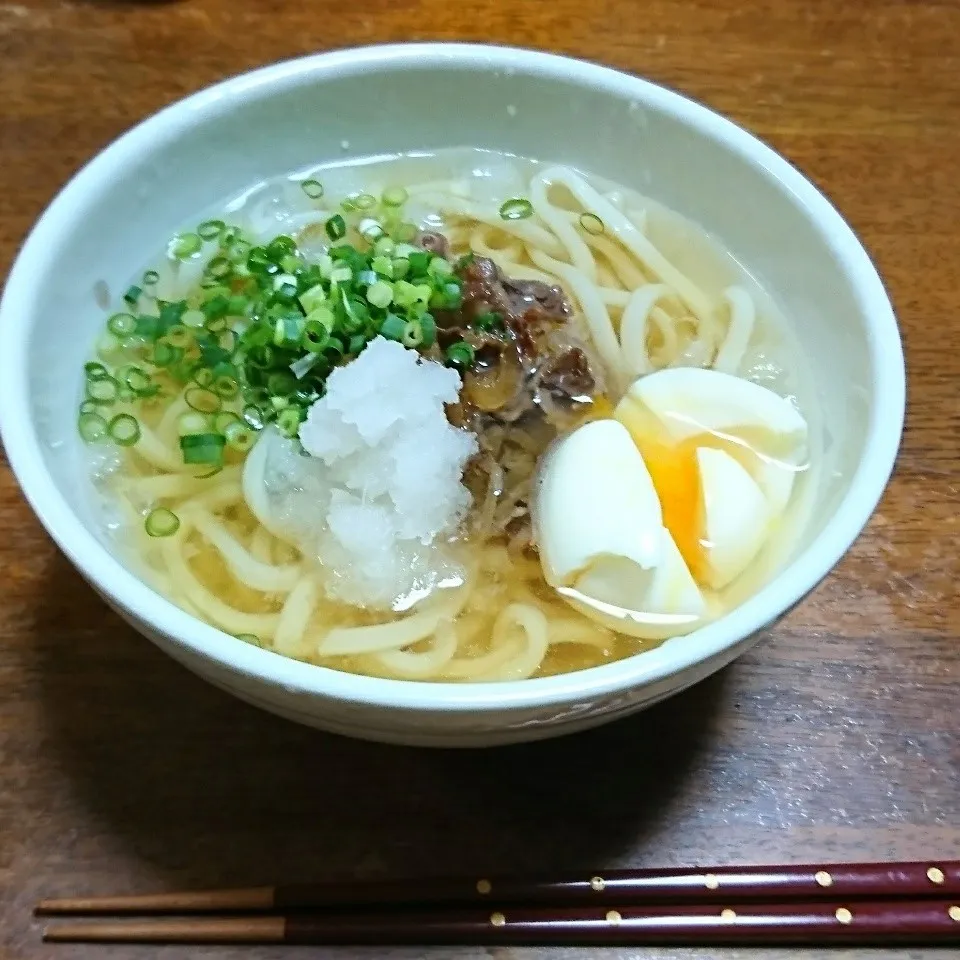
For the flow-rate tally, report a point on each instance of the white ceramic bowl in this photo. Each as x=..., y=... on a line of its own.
x=120, y=208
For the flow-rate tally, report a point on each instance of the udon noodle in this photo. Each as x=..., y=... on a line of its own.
x=648, y=292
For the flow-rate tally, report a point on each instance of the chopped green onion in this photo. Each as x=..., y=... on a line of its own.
x=316, y=335
x=124, y=430
x=170, y=314
x=229, y=236
x=488, y=321
x=439, y=267
x=226, y=386
x=193, y=318
x=357, y=342
x=288, y=421
x=325, y=265
x=96, y=371
x=259, y=262
x=89, y=406
x=384, y=247
x=151, y=278
x=460, y=354
x=161, y=522
x=202, y=400
x=182, y=370
x=323, y=316
x=219, y=267
x=211, y=229
x=419, y=262
x=312, y=298
x=148, y=326
x=263, y=356
x=365, y=201
x=305, y=396
x=239, y=250
x=428, y=330
x=223, y=420
x=184, y=246
x=280, y=247
x=103, y=390
x=204, y=377
x=132, y=296
x=370, y=229
x=136, y=379
x=336, y=227
x=179, y=336
x=203, y=448
x=253, y=415
x=406, y=232
x=333, y=350
x=237, y=306
x=93, y=428
x=516, y=209
x=380, y=294
x=193, y=422
x=281, y=383
x=164, y=354
x=312, y=188
x=215, y=308
x=214, y=292
x=300, y=368
x=393, y=327
x=249, y=638
x=122, y=324
x=412, y=334
x=591, y=223
x=287, y=331
x=394, y=197
x=285, y=286
x=226, y=343
x=382, y=267
x=239, y=436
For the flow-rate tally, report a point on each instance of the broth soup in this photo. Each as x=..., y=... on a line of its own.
x=460, y=417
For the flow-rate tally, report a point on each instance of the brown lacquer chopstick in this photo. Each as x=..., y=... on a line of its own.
x=713, y=885
x=916, y=922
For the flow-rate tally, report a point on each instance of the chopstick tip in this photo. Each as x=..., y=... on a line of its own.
x=45, y=907
x=53, y=934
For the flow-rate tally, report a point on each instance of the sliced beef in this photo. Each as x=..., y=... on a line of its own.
x=568, y=376
x=435, y=243
x=527, y=295
x=528, y=308
x=527, y=363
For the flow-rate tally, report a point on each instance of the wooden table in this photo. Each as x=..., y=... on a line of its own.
x=837, y=737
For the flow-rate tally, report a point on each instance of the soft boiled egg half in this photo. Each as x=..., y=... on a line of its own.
x=641, y=518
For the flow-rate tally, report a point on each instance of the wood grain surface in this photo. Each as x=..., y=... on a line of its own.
x=836, y=738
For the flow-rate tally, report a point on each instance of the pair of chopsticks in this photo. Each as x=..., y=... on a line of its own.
x=916, y=903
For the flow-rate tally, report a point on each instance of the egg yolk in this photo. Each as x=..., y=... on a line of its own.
x=675, y=472
x=676, y=478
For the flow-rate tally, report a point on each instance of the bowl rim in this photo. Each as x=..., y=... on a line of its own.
x=110, y=577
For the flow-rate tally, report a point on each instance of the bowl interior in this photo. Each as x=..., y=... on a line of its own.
x=159, y=177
